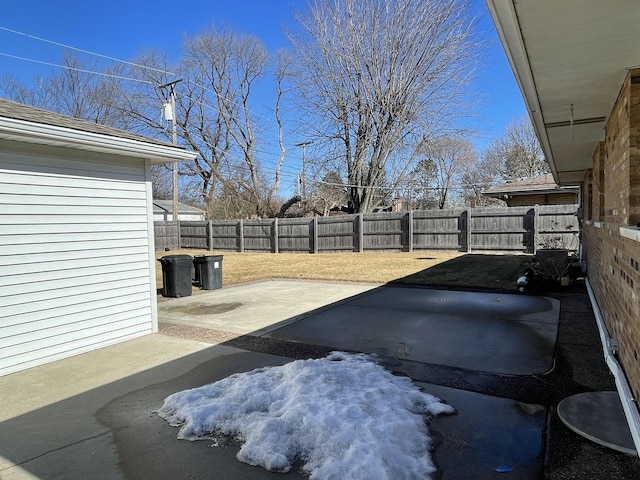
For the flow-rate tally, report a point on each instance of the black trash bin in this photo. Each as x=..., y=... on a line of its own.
x=208, y=271
x=176, y=275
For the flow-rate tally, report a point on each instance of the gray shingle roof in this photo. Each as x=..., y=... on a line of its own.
x=18, y=111
x=542, y=184
x=161, y=206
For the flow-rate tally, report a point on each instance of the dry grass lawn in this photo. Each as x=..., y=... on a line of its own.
x=455, y=269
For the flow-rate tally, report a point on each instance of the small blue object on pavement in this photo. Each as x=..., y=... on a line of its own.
x=504, y=469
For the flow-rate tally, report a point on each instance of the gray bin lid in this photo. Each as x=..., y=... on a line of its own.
x=181, y=260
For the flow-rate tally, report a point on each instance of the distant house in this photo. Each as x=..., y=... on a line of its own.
x=77, y=260
x=542, y=190
x=397, y=205
x=163, y=212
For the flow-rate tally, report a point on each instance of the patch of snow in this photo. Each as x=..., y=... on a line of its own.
x=343, y=416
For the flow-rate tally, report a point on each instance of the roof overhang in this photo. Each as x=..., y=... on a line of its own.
x=570, y=59
x=498, y=193
x=44, y=134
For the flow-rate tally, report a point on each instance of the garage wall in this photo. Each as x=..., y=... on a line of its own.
x=74, y=254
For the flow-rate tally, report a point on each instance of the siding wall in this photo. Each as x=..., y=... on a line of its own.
x=74, y=254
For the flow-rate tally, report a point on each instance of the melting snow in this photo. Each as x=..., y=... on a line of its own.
x=342, y=416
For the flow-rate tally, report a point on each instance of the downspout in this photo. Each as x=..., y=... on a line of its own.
x=609, y=347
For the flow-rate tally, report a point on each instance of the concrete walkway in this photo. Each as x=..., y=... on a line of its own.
x=256, y=308
x=91, y=416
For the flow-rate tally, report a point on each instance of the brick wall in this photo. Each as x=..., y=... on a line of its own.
x=613, y=259
x=613, y=269
x=597, y=205
x=634, y=148
x=586, y=195
x=616, y=161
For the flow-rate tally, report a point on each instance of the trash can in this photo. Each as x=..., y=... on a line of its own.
x=208, y=271
x=176, y=275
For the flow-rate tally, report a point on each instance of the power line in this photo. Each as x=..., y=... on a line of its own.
x=76, y=69
x=272, y=170
x=88, y=52
x=70, y=47
x=456, y=186
x=92, y=72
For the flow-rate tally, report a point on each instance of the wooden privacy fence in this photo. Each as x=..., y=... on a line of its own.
x=508, y=228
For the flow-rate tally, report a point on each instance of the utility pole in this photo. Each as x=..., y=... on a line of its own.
x=304, y=166
x=172, y=94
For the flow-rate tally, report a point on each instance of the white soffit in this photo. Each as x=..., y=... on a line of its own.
x=564, y=53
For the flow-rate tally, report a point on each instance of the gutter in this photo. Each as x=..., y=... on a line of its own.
x=609, y=347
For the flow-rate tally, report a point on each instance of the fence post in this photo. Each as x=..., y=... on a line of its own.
x=410, y=230
x=360, y=233
x=536, y=227
x=314, y=237
x=468, y=230
x=209, y=235
x=241, y=235
x=276, y=239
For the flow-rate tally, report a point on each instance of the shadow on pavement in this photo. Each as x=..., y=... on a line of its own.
x=472, y=271
x=107, y=430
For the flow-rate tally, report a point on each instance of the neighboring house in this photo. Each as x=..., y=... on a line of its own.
x=398, y=204
x=403, y=204
x=577, y=64
x=163, y=212
x=542, y=190
x=77, y=260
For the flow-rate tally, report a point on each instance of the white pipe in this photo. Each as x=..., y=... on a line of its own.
x=629, y=404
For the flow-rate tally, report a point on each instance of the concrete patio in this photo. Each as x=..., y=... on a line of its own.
x=91, y=416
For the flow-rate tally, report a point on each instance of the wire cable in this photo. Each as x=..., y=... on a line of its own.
x=70, y=47
x=75, y=69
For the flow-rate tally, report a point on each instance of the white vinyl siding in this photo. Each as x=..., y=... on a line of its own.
x=75, y=255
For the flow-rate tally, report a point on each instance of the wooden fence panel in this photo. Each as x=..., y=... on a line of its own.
x=558, y=226
x=438, y=229
x=338, y=233
x=487, y=228
x=295, y=234
x=166, y=235
x=501, y=228
x=258, y=235
x=225, y=234
x=194, y=234
x=384, y=231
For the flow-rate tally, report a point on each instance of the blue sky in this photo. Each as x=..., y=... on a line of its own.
x=123, y=28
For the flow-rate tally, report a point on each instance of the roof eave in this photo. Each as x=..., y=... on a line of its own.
x=42, y=134
x=550, y=191
x=507, y=25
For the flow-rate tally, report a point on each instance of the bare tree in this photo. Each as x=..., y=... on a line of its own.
x=74, y=91
x=442, y=168
x=478, y=177
x=517, y=153
x=221, y=71
x=162, y=183
x=329, y=193
x=421, y=180
x=378, y=78
x=12, y=89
